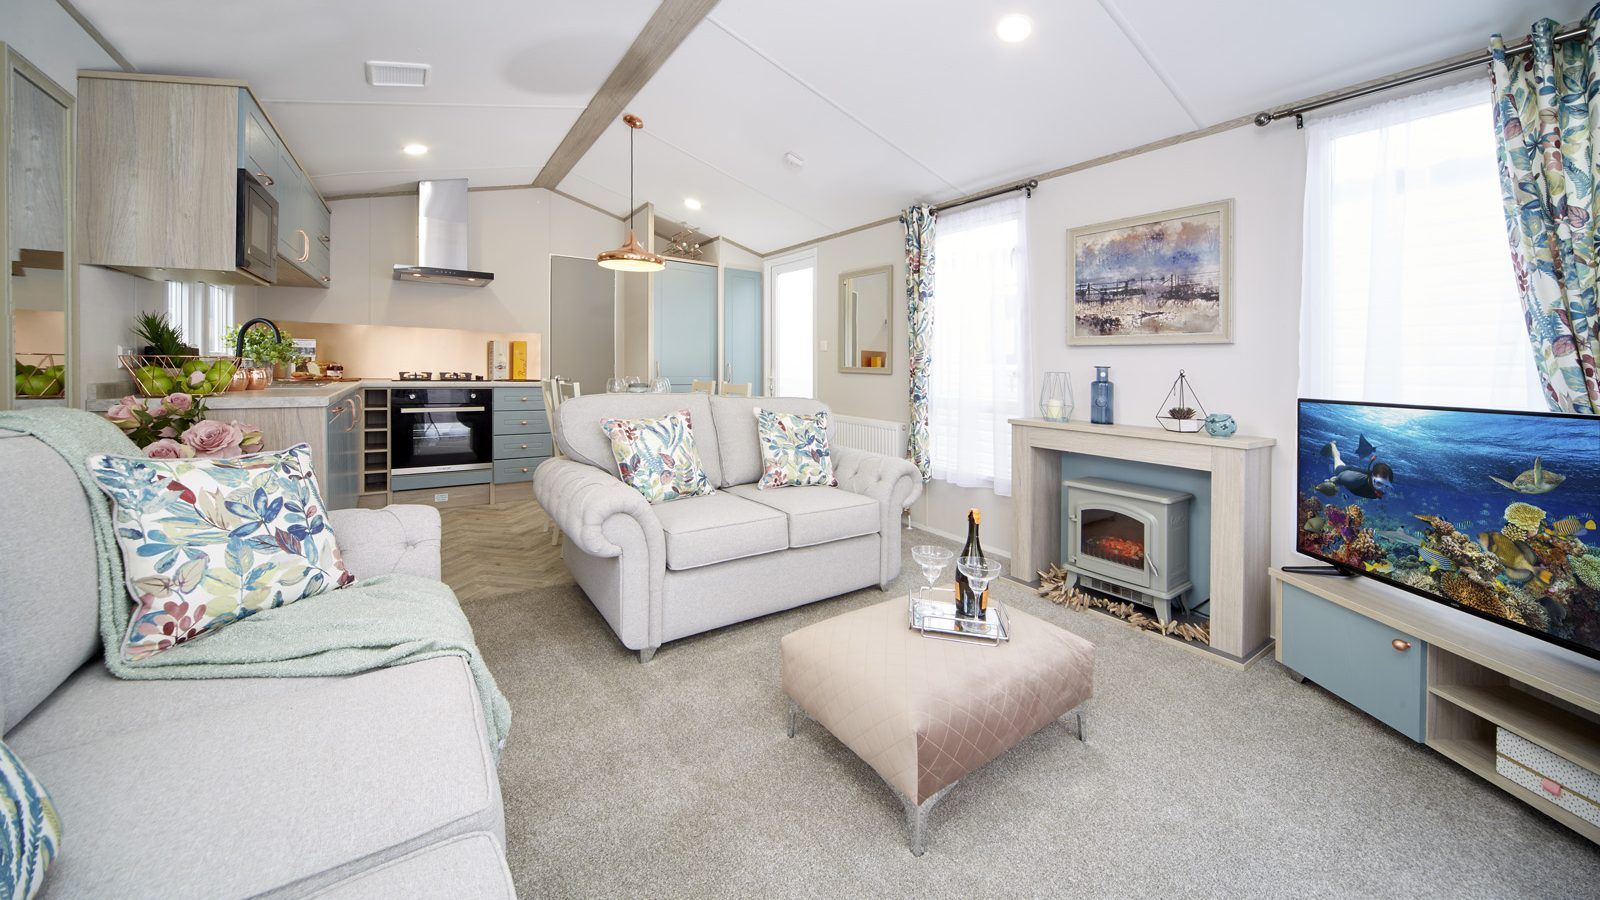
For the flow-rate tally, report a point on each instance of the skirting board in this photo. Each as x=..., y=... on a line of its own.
x=962, y=539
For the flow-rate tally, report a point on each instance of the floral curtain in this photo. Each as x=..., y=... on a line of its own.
x=1547, y=180
x=918, y=222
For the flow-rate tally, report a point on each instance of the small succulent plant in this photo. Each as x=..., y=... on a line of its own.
x=1180, y=412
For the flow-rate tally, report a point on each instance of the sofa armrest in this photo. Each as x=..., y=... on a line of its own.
x=883, y=478
x=581, y=499
x=402, y=539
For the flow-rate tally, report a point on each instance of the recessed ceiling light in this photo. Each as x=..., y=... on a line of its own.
x=1014, y=28
x=415, y=149
x=691, y=202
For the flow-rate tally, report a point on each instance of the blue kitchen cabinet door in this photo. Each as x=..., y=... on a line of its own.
x=741, y=328
x=1357, y=659
x=686, y=323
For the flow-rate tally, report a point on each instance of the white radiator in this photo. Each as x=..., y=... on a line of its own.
x=872, y=435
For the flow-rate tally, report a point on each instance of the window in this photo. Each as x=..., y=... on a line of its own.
x=979, y=345
x=1407, y=291
x=794, y=312
x=202, y=312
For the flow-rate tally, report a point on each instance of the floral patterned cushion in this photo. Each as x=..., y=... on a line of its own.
x=207, y=542
x=657, y=456
x=30, y=832
x=794, y=449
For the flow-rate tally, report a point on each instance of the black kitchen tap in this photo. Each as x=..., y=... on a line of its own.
x=238, y=349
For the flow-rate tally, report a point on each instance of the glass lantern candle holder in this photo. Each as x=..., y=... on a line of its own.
x=1055, y=397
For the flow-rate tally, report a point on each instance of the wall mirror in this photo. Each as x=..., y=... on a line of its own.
x=866, y=321
x=35, y=188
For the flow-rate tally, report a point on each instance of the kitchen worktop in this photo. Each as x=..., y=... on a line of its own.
x=289, y=395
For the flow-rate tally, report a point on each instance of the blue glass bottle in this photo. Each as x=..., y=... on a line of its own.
x=1100, y=396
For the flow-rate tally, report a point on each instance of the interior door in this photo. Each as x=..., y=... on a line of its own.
x=741, y=328
x=583, y=322
x=686, y=324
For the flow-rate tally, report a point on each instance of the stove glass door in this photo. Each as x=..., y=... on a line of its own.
x=437, y=430
x=1112, y=536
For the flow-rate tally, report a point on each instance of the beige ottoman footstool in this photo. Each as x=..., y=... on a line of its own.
x=924, y=712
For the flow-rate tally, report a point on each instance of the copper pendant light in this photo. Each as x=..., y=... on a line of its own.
x=631, y=257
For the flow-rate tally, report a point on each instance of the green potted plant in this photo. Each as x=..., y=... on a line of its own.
x=259, y=345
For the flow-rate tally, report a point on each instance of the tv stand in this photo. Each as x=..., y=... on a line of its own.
x=1442, y=677
x=1324, y=571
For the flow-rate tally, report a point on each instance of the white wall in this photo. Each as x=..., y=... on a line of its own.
x=1254, y=378
x=513, y=234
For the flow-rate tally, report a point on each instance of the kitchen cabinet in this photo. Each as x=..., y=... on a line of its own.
x=685, y=318
x=158, y=158
x=521, y=434
x=342, y=439
x=741, y=328
x=332, y=429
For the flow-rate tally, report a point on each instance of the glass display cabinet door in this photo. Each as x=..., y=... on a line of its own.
x=38, y=331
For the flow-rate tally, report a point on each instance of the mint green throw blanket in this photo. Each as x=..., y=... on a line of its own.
x=376, y=622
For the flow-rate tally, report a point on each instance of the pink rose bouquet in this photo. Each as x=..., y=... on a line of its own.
x=215, y=438
x=167, y=448
x=176, y=428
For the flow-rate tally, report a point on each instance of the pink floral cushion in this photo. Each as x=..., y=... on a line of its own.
x=208, y=542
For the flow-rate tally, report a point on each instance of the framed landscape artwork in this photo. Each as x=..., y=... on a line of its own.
x=1165, y=278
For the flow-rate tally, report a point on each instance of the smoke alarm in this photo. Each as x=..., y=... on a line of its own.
x=397, y=74
x=794, y=160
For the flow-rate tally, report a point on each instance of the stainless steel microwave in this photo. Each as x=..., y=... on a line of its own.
x=257, y=224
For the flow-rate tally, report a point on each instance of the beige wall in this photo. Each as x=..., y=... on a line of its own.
x=1263, y=170
x=513, y=234
x=382, y=351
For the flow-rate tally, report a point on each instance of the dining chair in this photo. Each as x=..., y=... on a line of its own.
x=556, y=391
x=702, y=387
x=734, y=389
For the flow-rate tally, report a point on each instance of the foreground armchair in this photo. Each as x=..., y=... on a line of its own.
x=661, y=572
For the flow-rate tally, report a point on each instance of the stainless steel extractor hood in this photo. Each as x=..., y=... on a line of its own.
x=442, y=237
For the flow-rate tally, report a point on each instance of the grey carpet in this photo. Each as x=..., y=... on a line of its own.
x=676, y=779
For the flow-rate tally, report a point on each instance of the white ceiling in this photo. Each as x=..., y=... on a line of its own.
x=887, y=101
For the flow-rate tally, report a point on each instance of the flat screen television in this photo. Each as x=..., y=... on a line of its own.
x=1491, y=512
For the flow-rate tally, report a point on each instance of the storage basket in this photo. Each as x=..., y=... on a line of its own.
x=1556, y=778
x=160, y=375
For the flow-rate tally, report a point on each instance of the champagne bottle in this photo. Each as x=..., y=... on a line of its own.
x=969, y=604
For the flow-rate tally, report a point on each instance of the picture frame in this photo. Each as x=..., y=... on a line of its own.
x=1161, y=278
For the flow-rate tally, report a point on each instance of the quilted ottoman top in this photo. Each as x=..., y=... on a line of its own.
x=925, y=712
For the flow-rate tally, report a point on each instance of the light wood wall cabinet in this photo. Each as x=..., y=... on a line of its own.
x=158, y=161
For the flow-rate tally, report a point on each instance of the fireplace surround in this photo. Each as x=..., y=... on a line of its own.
x=1128, y=540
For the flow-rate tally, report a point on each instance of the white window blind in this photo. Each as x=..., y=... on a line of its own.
x=1407, y=291
x=979, y=347
x=202, y=313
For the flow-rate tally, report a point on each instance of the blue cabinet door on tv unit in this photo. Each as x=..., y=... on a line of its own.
x=1357, y=659
x=741, y=328
x=686, y=323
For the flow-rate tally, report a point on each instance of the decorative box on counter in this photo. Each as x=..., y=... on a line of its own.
x=1558, y=779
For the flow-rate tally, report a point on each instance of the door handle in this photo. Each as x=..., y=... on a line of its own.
x=1400, y=644
x=266, y=178
x=305, y=245
x=727, y=371
x=413, y=410
x=355, y=413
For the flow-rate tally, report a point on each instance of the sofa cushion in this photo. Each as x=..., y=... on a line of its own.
x=657, y=456
x=818, y=514
x=208, y=542
x=794, y=449
x=30, y=831
x=256, y=784
x=581, y=438
x=470, y=865
x=49, y=599
x=738, y=441
x=704, y=531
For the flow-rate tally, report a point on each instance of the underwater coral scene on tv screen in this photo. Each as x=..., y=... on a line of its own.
x=1494, y=512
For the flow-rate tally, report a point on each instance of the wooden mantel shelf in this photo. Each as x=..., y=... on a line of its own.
x=1151, y=433
x=1241, y=516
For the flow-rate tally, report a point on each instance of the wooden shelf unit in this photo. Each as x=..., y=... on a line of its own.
x=375, y=461
x=1481, y=676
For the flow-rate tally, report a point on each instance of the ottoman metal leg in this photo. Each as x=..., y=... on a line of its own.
x=917, y=818
x=794, y=713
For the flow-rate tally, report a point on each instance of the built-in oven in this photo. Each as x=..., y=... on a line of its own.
x=440, y=430
x=256, y=240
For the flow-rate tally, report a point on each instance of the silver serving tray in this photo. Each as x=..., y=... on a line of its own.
x=933, y=614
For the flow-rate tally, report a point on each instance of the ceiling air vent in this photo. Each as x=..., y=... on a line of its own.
x=397, y=74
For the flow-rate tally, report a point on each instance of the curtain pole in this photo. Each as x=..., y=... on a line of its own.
x=1267, y=118
x=1024, y=186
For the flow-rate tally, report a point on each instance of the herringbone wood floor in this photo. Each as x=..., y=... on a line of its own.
x=492, y=551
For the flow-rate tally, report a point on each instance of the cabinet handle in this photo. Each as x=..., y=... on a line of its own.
x=524, y=469
x=355, y=413
x=524, y=422
x=523, y=399
x=305, y=245
x=327, y=280
x=1400, y=644
x=325, y=239
x=524, y=446
x=267, y=178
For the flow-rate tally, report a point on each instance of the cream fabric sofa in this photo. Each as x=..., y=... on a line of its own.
x=374, y=785
x=662, y=572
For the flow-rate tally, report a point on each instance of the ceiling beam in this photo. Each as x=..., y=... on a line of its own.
x=671, y=23
x=95, y=35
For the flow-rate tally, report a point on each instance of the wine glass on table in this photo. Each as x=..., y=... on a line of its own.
x=931, y=559
x=616, y=385
x=981, y=572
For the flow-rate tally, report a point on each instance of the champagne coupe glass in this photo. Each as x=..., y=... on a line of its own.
x=616, y=385
x=980, y=572
x=932, y=559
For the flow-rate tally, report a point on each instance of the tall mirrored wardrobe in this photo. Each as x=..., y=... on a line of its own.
x=36, y=235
